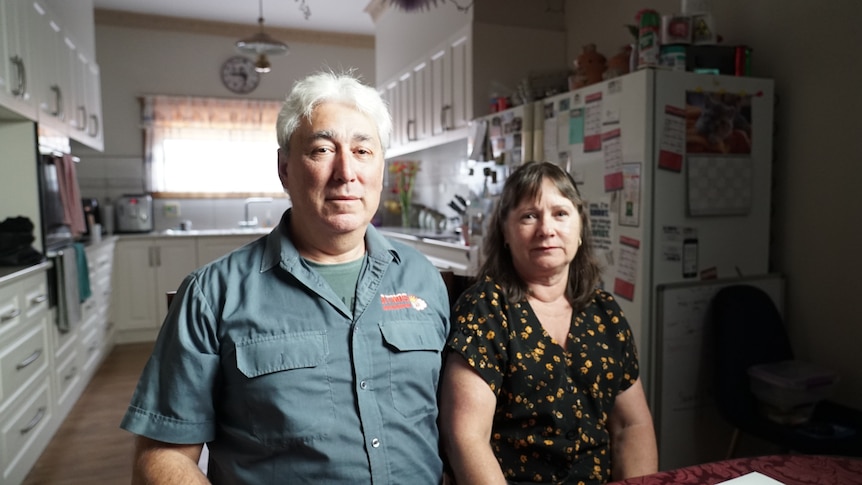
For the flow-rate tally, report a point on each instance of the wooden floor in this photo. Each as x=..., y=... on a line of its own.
x=90, y=447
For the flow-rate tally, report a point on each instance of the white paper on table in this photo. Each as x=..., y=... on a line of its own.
x=752, y=478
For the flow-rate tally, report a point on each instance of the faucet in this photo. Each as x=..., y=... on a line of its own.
x=246, y=222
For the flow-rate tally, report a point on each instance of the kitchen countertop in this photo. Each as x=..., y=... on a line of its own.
x=448, y=239
x=10, y=273
x=198, y=233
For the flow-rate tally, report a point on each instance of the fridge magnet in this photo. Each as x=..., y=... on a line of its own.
x=613, y=155
x=689, y=256
x=549, y=136
x=672, y=142
x=717, y=122
x=576, y=126
x=719, y=186
x=593, y=123
x=600, y=224
x=627, y=270
x=630, y=205
x=671, y=249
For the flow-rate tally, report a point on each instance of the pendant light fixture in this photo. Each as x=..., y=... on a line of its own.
x=261, y=44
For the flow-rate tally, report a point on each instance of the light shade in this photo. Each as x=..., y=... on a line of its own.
x=261, y=43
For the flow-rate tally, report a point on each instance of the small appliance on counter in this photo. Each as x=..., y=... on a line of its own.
x=134, y=213
x=92, y=215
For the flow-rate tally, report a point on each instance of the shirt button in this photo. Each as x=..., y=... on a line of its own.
x=375, y=443
x=571, y=435
x=363, y=384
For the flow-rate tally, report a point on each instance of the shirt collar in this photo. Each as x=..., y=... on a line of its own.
x=280, y=249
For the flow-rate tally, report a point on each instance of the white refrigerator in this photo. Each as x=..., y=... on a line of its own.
x=676, y=168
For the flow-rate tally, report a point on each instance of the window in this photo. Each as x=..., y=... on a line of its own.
x=206, y=146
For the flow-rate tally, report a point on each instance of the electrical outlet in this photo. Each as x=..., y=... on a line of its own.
x=171, y=209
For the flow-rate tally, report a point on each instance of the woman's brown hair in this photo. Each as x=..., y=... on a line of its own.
x=523, y=184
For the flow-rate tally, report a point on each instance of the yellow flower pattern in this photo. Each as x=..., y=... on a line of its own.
x=552, y=404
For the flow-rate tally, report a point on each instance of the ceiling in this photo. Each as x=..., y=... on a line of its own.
x=341, y=16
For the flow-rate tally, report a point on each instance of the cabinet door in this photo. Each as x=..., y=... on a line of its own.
x=421, y=99
x=461, y=95
x=17, y=64
x=135, y=286
x=451, y=80
x=438, y=91
x=51, y=55
x=175, y=259
x=93, y=93
x=391, y=95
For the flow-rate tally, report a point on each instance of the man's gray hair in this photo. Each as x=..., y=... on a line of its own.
x=309, y=92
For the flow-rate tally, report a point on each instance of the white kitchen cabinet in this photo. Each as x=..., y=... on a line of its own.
x=16, y=68
x=430, y=101
x=52, y=84
x=211, y=248
x=26, y=405
x=474, y=56
x=451, y=98
x=49, y=74
x=145, y=270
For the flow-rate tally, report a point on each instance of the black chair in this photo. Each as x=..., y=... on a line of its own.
x=748, y=330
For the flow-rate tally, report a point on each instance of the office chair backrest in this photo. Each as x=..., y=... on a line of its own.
x=748, y=330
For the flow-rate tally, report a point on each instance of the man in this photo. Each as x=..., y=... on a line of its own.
x=313, y=354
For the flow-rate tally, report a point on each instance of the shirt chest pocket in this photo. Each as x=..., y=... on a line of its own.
x=414, y=364
x=288, y=393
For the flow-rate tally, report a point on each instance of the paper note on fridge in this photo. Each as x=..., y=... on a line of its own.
x=752, y=478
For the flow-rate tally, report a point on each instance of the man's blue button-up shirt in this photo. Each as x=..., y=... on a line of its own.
x=260, y=359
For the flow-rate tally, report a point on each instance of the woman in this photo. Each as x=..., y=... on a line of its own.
x=541, y=380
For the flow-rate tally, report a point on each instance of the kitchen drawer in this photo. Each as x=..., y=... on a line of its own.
x=22, y=359
x=11, y=311
x=35, y=295
x=25, y=431
x=62, y=341
x=69, y=382
x=20, y=302
x=92, y=348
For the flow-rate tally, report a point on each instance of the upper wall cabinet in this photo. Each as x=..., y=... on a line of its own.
x=16, y=68
x=451, y=79
x=47, y=76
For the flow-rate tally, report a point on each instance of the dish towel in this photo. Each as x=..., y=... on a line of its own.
x=70, y=194
x=84, y=290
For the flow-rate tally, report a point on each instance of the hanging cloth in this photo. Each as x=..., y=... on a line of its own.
x=70, y=195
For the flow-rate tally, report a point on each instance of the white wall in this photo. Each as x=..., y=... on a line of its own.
x=809, y=48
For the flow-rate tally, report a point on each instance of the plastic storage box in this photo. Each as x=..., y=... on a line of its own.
x=789, y=390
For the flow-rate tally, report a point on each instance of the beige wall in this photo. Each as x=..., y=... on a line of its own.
x=809, y=48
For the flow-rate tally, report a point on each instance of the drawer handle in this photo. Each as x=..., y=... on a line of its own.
x=29, y=360
x=13, y=314
x=72, y=373
x=38, y=299
x=35, y=421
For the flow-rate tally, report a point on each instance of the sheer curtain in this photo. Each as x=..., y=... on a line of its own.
x=198, y=144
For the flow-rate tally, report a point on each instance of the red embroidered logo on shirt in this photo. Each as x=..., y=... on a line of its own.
x=401, y=301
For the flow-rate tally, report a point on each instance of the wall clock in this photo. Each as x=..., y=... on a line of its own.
x=238, y=75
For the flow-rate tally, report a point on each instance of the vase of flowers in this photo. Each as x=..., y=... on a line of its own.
x=404, y=176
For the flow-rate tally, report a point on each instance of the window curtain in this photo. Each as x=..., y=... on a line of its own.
x=200, y=118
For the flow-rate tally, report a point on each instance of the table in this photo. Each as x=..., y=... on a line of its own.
x=788, y=469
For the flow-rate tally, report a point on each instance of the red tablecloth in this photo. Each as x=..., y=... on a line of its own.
x=788, y=469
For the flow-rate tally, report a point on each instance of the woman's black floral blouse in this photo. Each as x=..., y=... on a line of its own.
x=550, y=424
